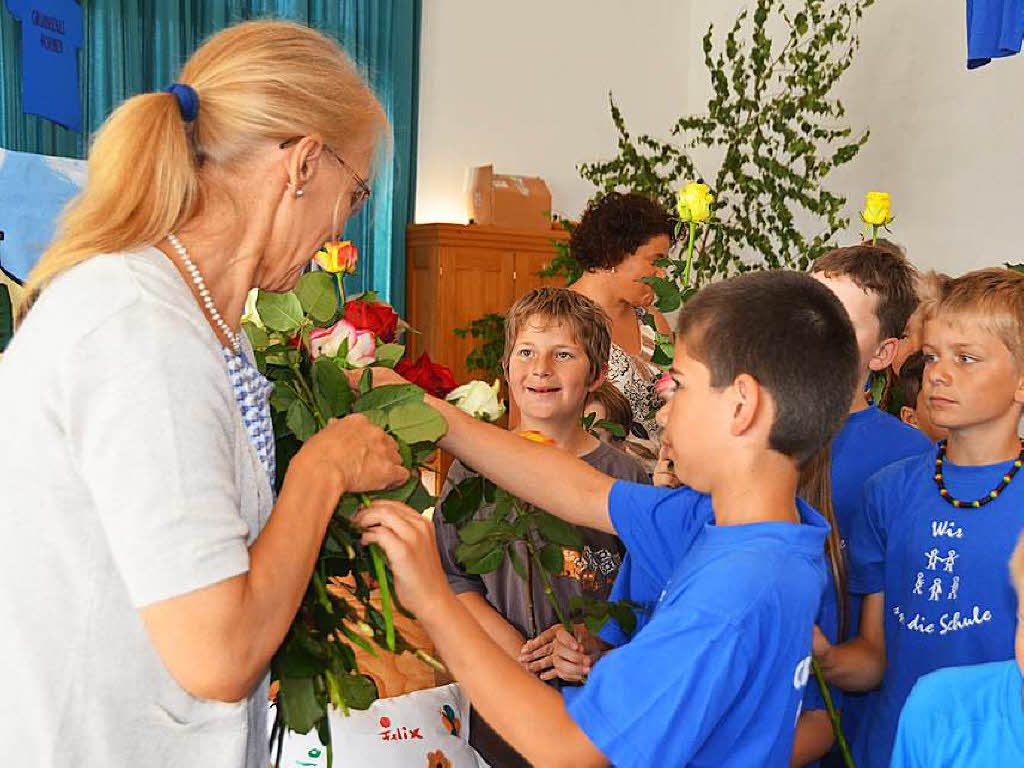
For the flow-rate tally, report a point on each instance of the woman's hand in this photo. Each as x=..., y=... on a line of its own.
x=381, y=376
x=408, y=540
x=359, y=453
x=556, y=653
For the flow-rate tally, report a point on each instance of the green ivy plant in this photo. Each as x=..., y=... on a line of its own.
x=485, y=356
x=778, y=128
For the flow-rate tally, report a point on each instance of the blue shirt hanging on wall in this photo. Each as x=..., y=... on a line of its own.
x=994, y=28
x=51, y=34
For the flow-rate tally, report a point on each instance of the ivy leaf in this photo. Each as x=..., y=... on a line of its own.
x=300, y=420
x=317, y=295
x=486, y=563
x=416, y=423
x=300, y=707
x=623, y=615
x=476, y=531
x=280, y=312
x=389, y=396
x=552, y=559
x=293, y=661
x=388, y=355
x=331, y=388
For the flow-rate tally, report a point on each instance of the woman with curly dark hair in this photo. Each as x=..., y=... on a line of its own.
x=618, y=242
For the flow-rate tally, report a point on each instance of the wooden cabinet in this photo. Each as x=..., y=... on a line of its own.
x=457, y=273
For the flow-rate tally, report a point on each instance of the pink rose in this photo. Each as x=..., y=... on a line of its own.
x=327, y=341
x=362, y=351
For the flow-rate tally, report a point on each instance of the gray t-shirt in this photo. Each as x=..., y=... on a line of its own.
x=126, y=478
x=591, y=572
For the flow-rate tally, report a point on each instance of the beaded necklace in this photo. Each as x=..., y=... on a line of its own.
x=990, y=496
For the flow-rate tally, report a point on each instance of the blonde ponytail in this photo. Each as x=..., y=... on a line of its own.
x=256, y=81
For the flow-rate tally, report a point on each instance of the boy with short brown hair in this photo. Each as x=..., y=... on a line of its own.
x=929, y=550
x=556, y=351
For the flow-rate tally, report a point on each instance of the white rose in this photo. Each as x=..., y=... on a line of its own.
x=327, y=341
x=479, y=399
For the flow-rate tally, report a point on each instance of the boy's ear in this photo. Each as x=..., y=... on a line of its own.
x=600, y=379
x=885, y=353
x=749, y=403
x=909, y=416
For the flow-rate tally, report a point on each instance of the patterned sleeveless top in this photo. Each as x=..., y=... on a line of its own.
x=634, y=377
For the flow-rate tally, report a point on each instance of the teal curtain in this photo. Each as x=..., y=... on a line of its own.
x=135, y=46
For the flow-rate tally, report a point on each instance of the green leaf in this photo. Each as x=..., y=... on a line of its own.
x=463, y=500
x=279, y=311
x=416, y=423
x=332, y=388
x=293, y=661
x=389, y=396
x=388, y=355
x=557, y=531
x=258, y=336
x=317, y=295
x=401, y=493
x=611, y=427
x=359, y=690
x=476, y=531
x=421, y=499
x=624, y=616
x=488, y=563
x=552, y=559
x=365, y=382
x=300, y=707
x=517, y=561
x=377, y=417
x=282, y=397
x=300, y=420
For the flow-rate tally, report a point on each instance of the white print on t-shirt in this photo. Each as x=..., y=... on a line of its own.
x=947, y=528
x=954, y=588
x=919, y=584
x=802, y=673
x=947, y=623
x=934, y=558
x=936, y=590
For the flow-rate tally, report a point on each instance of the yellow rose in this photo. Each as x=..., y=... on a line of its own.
x=693, y=203
x=877, y=209
x=338, y=256
x=537, y=437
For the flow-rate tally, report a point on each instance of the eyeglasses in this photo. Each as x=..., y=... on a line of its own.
x=362, y=191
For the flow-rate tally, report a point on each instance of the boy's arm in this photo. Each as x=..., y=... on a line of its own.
x=813, y=737
x=493, y=623
x=541, y=475
x=858, y=664
x=528, y=714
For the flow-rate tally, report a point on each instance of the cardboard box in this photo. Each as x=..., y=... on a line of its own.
x=510, y=202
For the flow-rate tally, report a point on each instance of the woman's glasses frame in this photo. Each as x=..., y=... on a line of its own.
x=362, y=191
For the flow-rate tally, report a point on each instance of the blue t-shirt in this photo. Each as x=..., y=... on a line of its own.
x=868, y=440
x=994, y=29
x=948, y=600
x=683, y=513
x=51, y=34
x=716, y=675
x=963, y=717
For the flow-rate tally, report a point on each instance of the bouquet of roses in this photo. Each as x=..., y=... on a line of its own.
x=304, y=341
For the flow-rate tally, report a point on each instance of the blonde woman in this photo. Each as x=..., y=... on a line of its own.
x=145, y=582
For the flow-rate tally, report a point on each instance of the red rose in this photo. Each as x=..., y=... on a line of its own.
x=377, y=317
x=433, y=377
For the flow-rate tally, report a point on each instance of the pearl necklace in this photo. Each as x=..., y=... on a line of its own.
x=204, y=293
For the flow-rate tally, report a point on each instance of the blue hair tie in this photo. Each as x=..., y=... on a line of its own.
x=188, y=101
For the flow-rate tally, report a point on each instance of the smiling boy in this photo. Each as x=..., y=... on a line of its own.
x=556, y=349
x=763, y=364
x=929, y=552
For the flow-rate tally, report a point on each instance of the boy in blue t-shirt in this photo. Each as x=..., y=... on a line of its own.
x=876, y=284
x=715, y=677
x=929, y=551
x=977, y=710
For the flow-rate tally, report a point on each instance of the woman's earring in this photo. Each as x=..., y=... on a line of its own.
x=299, y=192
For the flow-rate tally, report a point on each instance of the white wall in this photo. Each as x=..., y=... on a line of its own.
x=523, y=85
